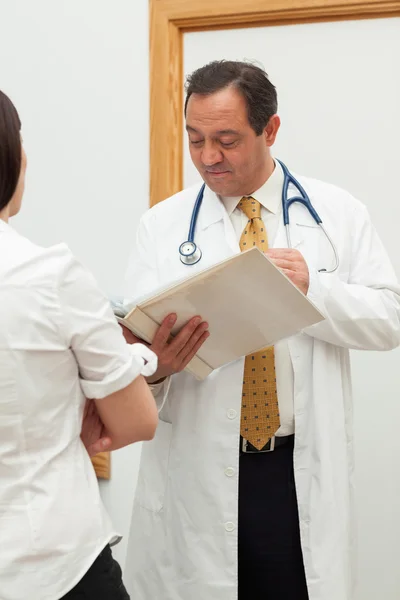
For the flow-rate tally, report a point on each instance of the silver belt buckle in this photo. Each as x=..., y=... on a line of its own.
x=270, y=449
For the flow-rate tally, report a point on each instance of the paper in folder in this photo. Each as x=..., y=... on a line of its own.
x=247, y=301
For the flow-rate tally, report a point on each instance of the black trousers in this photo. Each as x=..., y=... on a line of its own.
x=270, y=557
x=103, y=581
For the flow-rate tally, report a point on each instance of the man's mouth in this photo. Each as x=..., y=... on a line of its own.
x=220, y=173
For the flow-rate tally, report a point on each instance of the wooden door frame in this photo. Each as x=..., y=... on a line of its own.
x=171, y=19
x=102, y=465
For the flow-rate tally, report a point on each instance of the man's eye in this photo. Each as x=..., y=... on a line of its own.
x=196, y=142
x=228, y=144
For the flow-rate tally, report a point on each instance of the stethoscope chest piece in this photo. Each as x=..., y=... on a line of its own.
x=189, y=253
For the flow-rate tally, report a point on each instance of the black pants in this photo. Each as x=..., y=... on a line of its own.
x=103, y=581
x=270, y=558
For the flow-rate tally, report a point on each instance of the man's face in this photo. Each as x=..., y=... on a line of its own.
x=230, y=157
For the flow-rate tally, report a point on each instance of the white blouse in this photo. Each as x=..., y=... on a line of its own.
x=59, y=343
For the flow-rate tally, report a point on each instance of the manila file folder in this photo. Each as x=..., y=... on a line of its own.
x=247, y=301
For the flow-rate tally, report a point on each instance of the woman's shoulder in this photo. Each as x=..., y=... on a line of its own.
x=31, y=263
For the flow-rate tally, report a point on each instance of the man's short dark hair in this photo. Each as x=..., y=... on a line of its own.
x=251, y=81
x=10, y=150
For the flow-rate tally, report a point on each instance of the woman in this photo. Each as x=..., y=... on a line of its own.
x=59, y=344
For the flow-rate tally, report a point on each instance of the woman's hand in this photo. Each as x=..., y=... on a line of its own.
x=93, y=433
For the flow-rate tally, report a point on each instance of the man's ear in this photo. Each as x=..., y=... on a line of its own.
x=271, y=130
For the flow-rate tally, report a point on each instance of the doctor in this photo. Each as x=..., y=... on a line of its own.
x=239, y=499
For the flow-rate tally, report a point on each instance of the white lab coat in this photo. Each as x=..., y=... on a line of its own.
x=183, y=540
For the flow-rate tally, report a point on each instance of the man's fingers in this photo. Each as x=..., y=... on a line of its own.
x=195, y=349
x=284, y=264
x=163, y=334
x=182, y=338
x=201, y=330
x=287, y=253
x=289, y=273
x=129, y=337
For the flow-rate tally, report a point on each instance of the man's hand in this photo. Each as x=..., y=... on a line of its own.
x=173, y=353
x=93, y=433
x=293, y=264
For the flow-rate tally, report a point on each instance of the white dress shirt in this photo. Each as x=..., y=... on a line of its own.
x=59, y=343
x=269, y=196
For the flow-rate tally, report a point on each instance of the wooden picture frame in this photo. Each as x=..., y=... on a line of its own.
x=171, y=19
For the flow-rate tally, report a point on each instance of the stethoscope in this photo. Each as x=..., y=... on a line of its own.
x=190, y=253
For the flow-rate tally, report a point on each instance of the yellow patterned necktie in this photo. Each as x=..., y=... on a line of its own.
x=260, y=411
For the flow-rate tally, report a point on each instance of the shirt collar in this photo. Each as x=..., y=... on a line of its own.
x=4, y=226
x=268, y=195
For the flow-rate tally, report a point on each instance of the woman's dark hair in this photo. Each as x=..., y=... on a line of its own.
x=251, y=81
x=10, y=150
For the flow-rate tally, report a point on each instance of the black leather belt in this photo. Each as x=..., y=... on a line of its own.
x=270, y=446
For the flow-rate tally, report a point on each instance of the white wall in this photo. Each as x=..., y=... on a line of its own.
x=339, y=94
x=77, y=71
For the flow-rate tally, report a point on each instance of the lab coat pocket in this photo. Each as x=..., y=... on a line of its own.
x=153, y=475
x=311, y=241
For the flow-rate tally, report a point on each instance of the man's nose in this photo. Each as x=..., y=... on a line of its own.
x=211, y=155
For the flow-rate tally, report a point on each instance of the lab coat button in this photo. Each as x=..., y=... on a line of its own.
x=229, y=526
x=229, y=472
x=232, y=413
